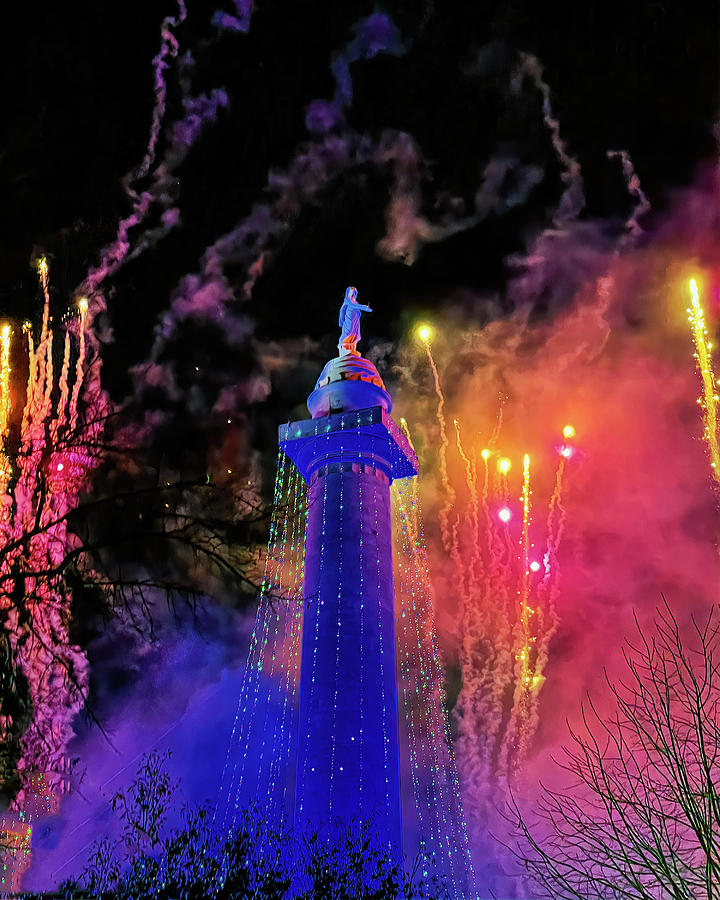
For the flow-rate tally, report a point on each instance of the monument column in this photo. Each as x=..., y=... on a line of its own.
x=349, y=452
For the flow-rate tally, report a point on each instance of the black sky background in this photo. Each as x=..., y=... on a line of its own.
x=77, y=101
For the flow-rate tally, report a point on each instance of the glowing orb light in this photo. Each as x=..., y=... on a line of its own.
x=60, y=467
x=534, y=566
x=568, y=431
x=504, y=465
x=485, y=453
x=567, y=452
x=505, y=514
x=83, y=304
x=424, y=332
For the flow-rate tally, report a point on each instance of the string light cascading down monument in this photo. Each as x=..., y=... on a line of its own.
x=349, y=453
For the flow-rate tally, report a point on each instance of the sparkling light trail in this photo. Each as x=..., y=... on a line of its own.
x=80, y=364
x=525, y=609
x=506, y=605
x=4, y=379
x=42, y=267
x=703, y=358
x=425, y=333
x=5, y=400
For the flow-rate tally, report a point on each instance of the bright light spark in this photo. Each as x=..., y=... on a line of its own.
x=534, y=566
x=60, y=467
x=505, y=514
x=504, y=465
x=568, y=431
x=567, y=452
x=83, y=304
x=703, y=359
x=485, y=454
x=424, y=332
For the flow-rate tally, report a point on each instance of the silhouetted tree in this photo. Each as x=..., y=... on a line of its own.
x=641, y=817
x=196, y=860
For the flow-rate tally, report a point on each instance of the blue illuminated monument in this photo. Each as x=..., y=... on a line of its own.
x=349, y=453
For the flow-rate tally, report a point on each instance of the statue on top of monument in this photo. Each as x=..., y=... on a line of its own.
x=349, y=322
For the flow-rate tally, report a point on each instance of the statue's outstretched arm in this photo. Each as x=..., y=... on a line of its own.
x=363, y=308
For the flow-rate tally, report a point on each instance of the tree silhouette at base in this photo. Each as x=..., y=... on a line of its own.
x=641, y=818
x=194, y=859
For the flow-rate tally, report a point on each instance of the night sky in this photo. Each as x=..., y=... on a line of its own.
x=402, y=148
x=78, y=100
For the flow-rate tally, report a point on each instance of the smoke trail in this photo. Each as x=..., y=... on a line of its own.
x=407, y=229
x=240, y=21
x=634, y=188
x=375, y=34
x=198, y=112
x=168, y=50
x=572, y=201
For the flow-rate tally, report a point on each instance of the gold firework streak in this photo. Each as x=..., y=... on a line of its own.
x=425, y=334
x=703, y=358
x=5, y=469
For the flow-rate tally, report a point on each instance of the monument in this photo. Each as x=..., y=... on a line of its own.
x=349, y=453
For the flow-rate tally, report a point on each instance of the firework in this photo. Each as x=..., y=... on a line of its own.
x=5, y=399
x=703, y=358
x=80, y=364
x=506, y=599
x=49, y=469
x=424, y=332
